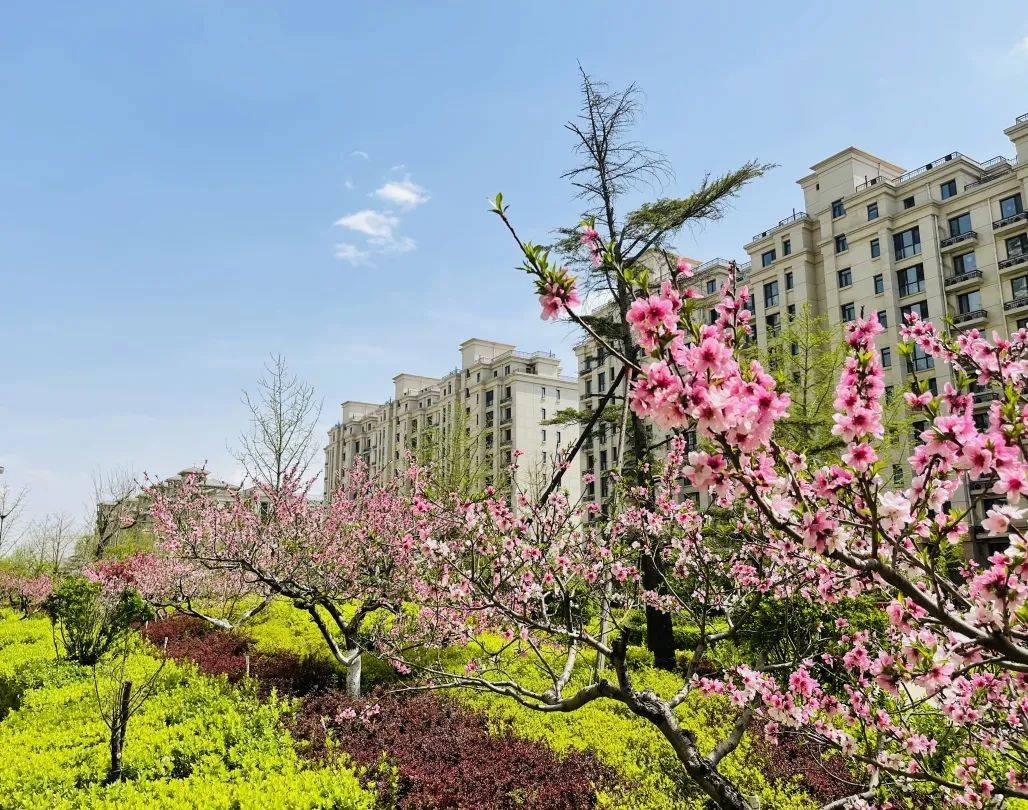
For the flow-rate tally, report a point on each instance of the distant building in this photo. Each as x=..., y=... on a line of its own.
x=597, y=370
x=500, y=397
x=947, y=240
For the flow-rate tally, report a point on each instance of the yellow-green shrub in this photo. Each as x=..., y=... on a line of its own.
x=196, y=743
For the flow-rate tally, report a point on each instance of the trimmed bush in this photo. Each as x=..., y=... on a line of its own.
x=196, y=743
x=445, y=756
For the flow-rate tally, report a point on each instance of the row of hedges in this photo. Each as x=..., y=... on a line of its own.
x=648, y=775
x=196, y=743
x=435, y=751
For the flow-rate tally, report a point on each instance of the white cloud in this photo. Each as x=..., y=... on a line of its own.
x=1020, y=50
x=360, y=153
x=352, y=254
x=373, y=224
x=403, y=193
x=399, y=167
x=348, y=184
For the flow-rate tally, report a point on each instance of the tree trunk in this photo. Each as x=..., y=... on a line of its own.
x=660, y=634
x=119, y=722
x=353, y=674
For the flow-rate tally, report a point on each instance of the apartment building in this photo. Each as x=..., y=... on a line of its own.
x=947, y=240
x=597, y=371
x=500, y=397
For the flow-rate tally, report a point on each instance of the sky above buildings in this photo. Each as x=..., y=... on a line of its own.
x=188, y=187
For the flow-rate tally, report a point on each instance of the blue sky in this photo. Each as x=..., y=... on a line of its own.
x=187, y=187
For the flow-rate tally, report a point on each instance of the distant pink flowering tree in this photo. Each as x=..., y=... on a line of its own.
x=25, y=593
x=938, y=703
x=342, y=562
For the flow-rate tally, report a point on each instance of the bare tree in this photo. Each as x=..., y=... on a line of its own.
x=283, y=417
x=614, y=166
x=12, y=508
x=115, y=508
x=51, y=539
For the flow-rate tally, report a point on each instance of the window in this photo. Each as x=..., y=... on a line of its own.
x=908, y=202
x=883, y=317
x=848, y=312
x=958, y=226
x=488, y=398
x=969, y=302
x=1019, y=287
x=774, y=325
x=1017, y=245
x=919, y=361
x=876, y=248
x=788, y=280
x=588, y=386
x=767, y=257
x=543, y=436
x=890, y=392
x=840, y=243
x=1022, y=323
x=838, y=209
x=897, y=474
x=919, y=308
x=911, y=279
x=948, y=189
x=964, y=263
x=845, y=277
x=771, y=294
x=542, y=413
x=886, y=357
x=786, y=247
x=907, y=243
x=879, y=284
x=791, y=309
x=872, y=211
x=711, y=286
x=1009, y=206
x=601, y=381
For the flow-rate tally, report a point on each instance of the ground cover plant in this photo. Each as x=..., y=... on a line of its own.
x=197, y=742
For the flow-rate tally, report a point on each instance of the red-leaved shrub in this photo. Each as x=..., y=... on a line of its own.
x=446, y=756
x=218, y=652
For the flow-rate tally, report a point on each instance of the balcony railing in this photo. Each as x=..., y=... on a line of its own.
x=798, y=216
x=957, y=238
x=874, y=181
x=985, y=396
x=1021, y=118
x=903, y=178
x=1017, y=303
x=1011, y=261
x=1011, y=220
x=970, y=275
x=1002, y=169
x=973, y=315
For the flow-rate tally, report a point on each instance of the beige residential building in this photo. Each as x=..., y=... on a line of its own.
x=948, y=240
x=597, y=371
x=499, y=396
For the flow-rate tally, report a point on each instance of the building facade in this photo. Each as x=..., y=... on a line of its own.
x=501, y=399
x=597, y=371
x=947, y=240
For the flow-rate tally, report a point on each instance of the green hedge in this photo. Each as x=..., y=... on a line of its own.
x=196, y=743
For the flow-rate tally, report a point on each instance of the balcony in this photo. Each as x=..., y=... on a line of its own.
x=984, y=397
x=958, y=239
x=1010, y=222
x=797, y=217
x=973, y=316
x=963, y=279
x=1013, y=261
x=1016, y=305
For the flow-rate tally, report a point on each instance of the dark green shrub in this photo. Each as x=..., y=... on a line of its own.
x=90, y=619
